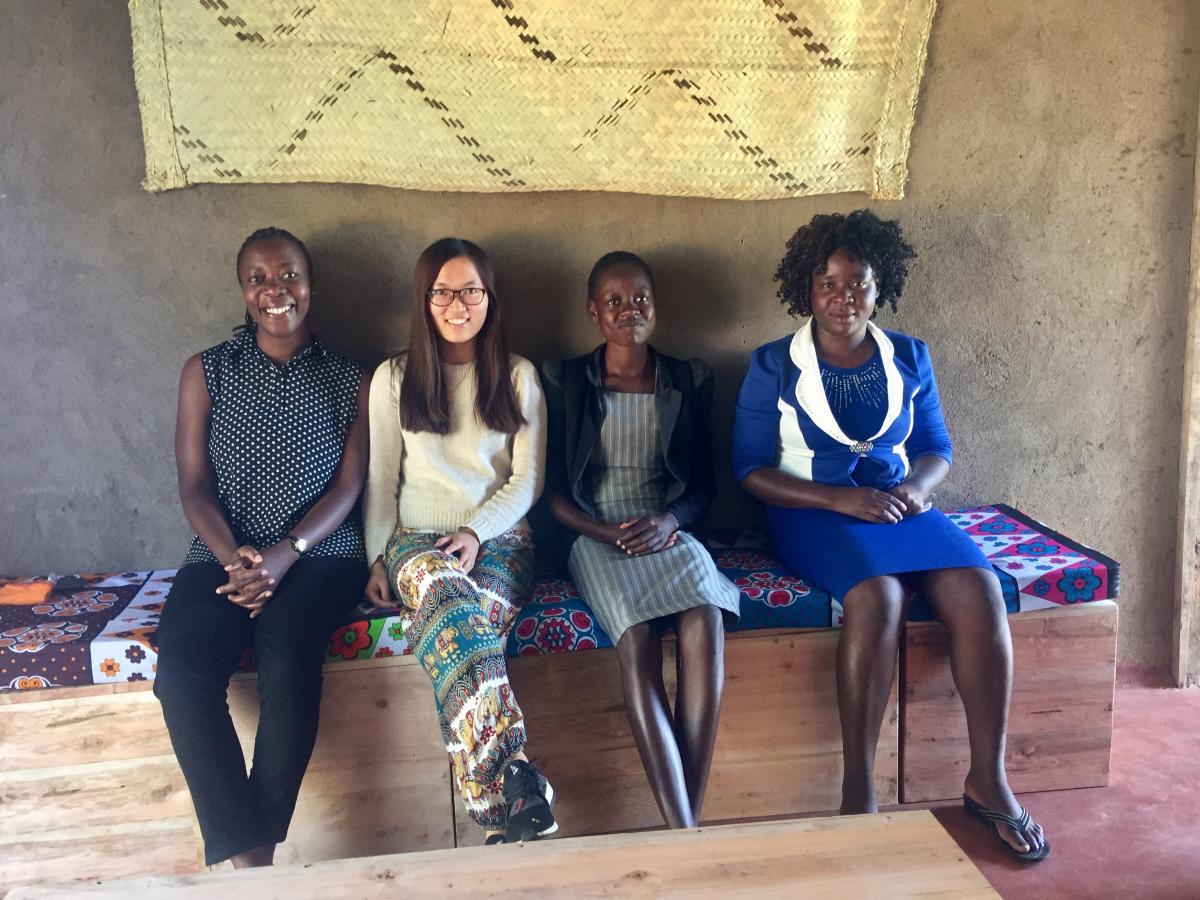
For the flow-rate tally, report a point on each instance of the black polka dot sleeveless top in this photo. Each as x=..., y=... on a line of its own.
x=275, y=441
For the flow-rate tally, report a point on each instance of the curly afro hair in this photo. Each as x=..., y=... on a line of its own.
x=866, y=237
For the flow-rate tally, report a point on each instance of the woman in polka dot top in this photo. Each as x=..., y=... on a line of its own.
x=457, y=447
x=271, y=443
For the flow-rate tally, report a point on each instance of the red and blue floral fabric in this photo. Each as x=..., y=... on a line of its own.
x=1037, y=567
x=100, y=628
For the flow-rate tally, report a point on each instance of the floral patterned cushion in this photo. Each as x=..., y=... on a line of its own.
x=93, y=629
x=557, y=620
x=1037, y=568
x=100, y=628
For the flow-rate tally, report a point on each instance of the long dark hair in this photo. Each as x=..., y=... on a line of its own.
x=424, y=405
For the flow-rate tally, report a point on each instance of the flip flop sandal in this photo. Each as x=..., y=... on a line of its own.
x=1019, y=824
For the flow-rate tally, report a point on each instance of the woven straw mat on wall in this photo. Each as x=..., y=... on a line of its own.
x=744, y=99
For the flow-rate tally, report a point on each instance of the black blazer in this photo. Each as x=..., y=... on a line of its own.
x=684, y=392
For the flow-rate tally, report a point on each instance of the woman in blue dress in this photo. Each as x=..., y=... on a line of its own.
x=840, y=433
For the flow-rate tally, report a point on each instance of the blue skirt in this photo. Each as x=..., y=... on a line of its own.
x=836, y=551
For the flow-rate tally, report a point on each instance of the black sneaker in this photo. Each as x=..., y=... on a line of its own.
x=530, y=801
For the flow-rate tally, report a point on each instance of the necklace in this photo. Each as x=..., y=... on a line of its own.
x=866, y=385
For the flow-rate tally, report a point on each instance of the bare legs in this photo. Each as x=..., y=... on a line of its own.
x=676, y=749
x=649, y=712
x=866, y=663
x=701, y=677
x=969, y=603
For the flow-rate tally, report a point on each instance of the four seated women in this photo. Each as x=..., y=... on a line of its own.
x=838, y=431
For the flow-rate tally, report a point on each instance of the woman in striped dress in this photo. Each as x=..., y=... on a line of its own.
x=629, y=469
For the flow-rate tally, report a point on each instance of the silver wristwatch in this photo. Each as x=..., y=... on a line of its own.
x=299, y=544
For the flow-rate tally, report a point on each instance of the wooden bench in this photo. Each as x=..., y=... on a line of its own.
x=1060, y=722
x=89, y=788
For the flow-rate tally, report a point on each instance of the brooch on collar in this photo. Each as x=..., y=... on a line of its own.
x=862, y=448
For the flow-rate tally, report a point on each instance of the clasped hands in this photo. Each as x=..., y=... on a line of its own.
x=889, y=506
x=645, y=534
x=254, y=574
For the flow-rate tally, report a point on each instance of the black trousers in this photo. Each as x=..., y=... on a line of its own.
x=201, y=638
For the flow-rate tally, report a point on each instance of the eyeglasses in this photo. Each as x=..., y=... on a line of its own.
x=471, y=296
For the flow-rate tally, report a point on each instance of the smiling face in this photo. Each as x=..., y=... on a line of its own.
x=622, y=305
x=843, y=295
x=458, y=323
x=276, y=286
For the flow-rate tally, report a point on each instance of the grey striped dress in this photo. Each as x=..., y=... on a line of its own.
x=627, y=477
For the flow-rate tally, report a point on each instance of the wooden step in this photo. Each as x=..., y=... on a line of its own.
x=895, y=855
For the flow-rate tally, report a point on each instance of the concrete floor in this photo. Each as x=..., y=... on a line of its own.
x=1138, y=838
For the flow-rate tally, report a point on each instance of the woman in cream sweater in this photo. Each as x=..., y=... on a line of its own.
x=457, y=443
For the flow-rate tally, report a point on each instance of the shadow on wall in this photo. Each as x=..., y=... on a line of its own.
x=693, y=290
x=364, y=272
x=696, y=317
x=543, y=300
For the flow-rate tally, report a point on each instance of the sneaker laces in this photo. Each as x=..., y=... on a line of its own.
x=524, y=777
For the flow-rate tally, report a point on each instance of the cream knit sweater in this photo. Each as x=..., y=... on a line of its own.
x=473, y=476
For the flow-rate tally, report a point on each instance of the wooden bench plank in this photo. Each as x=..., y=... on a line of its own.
x=115, y=850
x=910, y=855
x=575, y=718
x=88, y=780
x=131, y=790
x=379, y=778
x=58, y=727
x=1060, y=724
x=779, y=747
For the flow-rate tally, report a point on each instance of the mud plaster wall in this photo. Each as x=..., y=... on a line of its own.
x=1050, y=197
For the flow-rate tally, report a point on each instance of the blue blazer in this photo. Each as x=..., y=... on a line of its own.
x=783, y=418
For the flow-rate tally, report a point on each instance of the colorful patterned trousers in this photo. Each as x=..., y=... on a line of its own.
x=456, y=625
